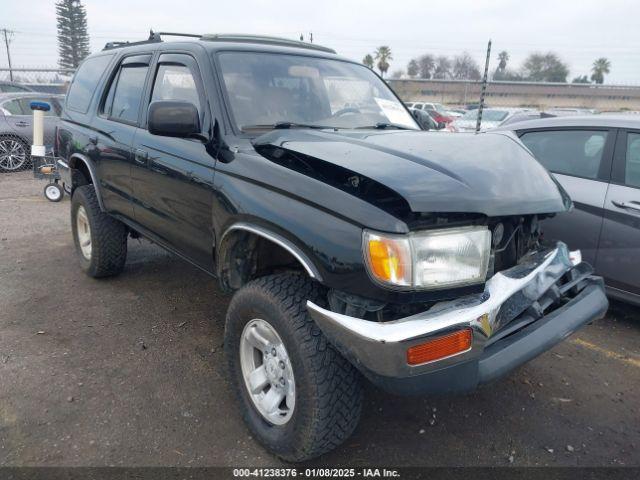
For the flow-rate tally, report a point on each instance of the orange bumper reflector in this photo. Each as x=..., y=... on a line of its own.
x=440, y=347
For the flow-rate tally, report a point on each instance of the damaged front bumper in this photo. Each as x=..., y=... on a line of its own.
x=522, y=312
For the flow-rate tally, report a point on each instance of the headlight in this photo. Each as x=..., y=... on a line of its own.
x=430, y=259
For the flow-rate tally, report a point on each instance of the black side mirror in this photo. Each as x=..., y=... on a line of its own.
x=173, y=119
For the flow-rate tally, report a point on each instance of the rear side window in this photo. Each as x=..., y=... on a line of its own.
x=570, y=152
x=632, y=170
x=13, y=107
x=85, y=83
x=125, y=94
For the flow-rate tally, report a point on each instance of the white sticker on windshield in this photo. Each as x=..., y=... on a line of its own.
x=394, y=112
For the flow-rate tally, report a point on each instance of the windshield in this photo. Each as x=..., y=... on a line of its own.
x=487, y=115
x=265, y=89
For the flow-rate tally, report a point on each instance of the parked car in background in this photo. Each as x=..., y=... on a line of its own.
x=437, y=111
x=16, y=130
x=11, y=87
x=491, y=118
x=424, y=119
x=566, y=111
x=597, y=160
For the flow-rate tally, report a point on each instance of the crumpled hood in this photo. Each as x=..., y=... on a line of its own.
x=489, y=173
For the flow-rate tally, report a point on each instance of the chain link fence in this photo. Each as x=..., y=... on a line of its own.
x=18, y=87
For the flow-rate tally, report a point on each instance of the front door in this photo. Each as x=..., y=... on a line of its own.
x=619, y=255
x=173, y=177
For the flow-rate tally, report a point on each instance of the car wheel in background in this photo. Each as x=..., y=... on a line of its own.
x=14, y=154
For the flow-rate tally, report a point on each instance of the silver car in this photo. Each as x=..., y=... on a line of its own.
x=596, y=158
x=16, y=129
x=491, y=118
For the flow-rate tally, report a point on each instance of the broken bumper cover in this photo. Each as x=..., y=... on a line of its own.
x=522, y=312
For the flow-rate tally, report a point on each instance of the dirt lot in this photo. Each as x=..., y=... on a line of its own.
x=129, y=371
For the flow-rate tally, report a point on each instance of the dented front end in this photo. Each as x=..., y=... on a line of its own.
x=523, y=311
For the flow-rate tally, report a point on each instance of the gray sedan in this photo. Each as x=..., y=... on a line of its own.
x=16, y=129
x=597, y=160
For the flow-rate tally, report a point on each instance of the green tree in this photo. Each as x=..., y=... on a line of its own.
x=368, y=60
x=426, y=65
x=73, y=39
x=383, y=56
x=544, y=67
x=600, y=67
x=581, y=79
x=465, y=67
x=413, y=68
x=442, y=68
x=397, y=74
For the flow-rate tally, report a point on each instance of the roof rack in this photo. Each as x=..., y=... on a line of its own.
x=234, y=37
x=156, y=37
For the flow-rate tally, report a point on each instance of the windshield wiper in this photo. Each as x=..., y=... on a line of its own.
x=285, y=125
x=383, y=125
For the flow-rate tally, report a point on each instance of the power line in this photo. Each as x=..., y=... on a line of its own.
x=8, y=35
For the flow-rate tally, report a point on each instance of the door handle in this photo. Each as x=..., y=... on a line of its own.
x=141, y=157
x=627, y=205
x=22, y=123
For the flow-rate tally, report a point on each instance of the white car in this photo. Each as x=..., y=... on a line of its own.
x=491, y=118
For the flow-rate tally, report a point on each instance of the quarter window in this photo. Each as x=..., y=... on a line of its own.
x=570, y=152
x=85, y=82
x=632, y=170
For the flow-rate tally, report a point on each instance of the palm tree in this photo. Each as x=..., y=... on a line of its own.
x=503, y=58
x=368, y=61
x=600, y=67
x=383, y=56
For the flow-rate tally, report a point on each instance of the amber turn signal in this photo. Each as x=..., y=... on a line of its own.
x=439, y=348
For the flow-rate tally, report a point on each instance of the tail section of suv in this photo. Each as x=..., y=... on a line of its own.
x=356, y=245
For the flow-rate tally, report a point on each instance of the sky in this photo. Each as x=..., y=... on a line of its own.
x=578, y=31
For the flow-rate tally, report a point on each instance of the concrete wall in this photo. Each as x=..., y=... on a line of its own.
x=521, y=94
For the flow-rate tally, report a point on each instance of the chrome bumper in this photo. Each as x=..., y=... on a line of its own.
x=381, y=347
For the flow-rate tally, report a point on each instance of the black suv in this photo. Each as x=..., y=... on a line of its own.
x=357, y=245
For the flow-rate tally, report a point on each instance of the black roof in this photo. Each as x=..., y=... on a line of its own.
x=608, y=121
x=229, y=38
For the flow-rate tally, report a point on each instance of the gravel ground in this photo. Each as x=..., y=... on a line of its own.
x=129, y=371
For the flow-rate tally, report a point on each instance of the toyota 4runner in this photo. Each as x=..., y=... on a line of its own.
x=357, y=245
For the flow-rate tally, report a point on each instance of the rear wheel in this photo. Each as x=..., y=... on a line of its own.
x=298, y=395
x=101, y=240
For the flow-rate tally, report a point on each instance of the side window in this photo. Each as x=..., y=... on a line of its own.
x=25, y=104
x=85, y=82
x=632, y=169
x=175, y=82
x=570, y=152
x=125, y=93
x=13, y=107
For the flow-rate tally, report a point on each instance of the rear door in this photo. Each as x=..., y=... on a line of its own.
x=580, y=159
x=115, y=126
x=173, y=177
x=619, y=255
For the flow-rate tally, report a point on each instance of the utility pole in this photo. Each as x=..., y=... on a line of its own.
x=7, y=40
x=484, y=88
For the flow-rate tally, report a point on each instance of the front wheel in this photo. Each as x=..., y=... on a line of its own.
x=298, y=395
